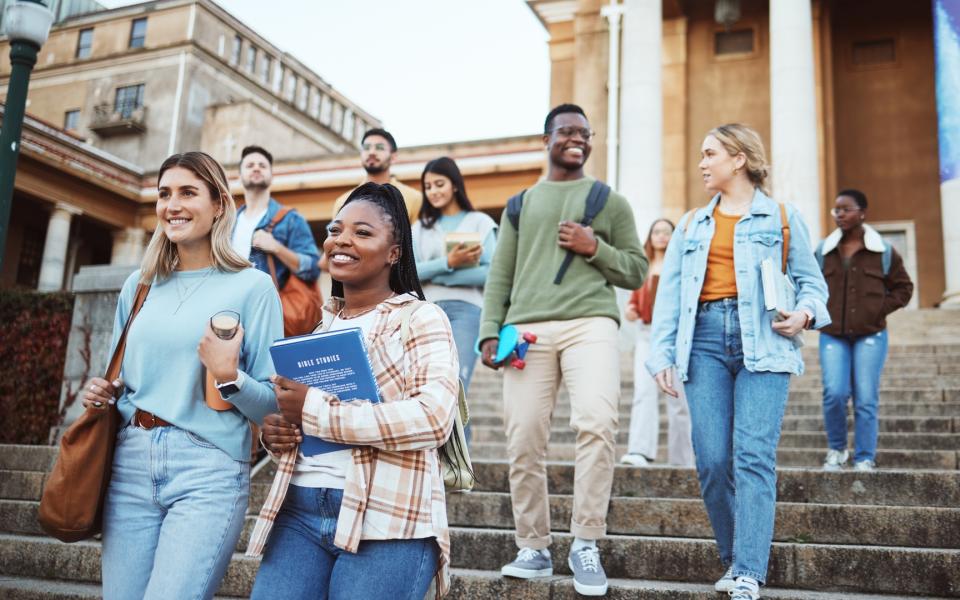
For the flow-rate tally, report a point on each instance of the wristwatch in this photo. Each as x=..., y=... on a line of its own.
x=230, y=388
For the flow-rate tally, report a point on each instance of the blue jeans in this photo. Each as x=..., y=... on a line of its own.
x=736, y=416
x=300, y=560
x=173, y=514
x=851, y=366
x=465, y=322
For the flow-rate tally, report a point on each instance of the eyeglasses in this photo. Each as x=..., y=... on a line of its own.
x=842, y=210
x=568, y=132
x=377, y=147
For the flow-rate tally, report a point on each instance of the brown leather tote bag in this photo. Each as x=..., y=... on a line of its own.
x=71, y=508
x=300, y=300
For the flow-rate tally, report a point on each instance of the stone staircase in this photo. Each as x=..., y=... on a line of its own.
x=893, y=533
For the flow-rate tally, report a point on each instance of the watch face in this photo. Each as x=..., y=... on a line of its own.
x=228, y=389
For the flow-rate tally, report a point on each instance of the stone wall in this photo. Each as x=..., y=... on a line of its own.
x=96, y=289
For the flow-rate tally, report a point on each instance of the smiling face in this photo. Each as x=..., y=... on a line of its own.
x=255, y=171
x=186, y=209
x=439, y=190
x=376, y=154
x=717, y=165
x=569, y=147
x=847, y=214
x=360, y=246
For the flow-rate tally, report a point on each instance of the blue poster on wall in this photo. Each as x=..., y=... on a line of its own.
x=946, y=27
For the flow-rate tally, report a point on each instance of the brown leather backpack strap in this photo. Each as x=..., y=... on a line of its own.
x=116, y=361
x=277, y=218
x=785, y=232
x=273, y=270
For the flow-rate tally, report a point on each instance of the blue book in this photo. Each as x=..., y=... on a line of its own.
x=333, y=361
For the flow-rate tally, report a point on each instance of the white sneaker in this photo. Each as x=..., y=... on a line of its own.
x=865, y=466
x=725, y=583
x=836, y=459
x=745, y=589
x=637, y=460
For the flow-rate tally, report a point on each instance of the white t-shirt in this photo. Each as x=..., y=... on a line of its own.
x=330, y=470
x=242, y=239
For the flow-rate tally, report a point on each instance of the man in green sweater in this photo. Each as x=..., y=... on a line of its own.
x=576, y=322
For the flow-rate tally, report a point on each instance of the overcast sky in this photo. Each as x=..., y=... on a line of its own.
x=432, y=70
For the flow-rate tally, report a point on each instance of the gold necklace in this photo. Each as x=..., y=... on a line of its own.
x=344, y=317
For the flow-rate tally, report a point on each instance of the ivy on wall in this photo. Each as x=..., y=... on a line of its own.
x=33, y=347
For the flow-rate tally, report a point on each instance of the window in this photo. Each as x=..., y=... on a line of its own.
x=71, y=120
x=237, y=44
x=303, y=91
x=129, y=98
x=84, y=42
x=739, y=41
x=138, y=33
x=348, y=123
x=326, y=107
x=278, y=78
x=252, y=59
x=314, y=110
x=874, y=52
x=265, y=67
x=290, y=86
x=31, y=256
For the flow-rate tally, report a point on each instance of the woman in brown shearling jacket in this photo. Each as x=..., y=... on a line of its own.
x=867, y=282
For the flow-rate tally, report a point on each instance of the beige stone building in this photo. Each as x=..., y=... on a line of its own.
x=843, y=92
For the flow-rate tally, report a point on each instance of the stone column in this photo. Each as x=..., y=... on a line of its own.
x=946, y=27
x=793, y=110
x=128, y=246
x=55, y=248
x=641, y=111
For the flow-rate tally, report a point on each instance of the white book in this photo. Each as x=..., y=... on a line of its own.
x=779, y=294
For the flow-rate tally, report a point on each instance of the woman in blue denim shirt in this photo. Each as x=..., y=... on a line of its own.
x=734, y=357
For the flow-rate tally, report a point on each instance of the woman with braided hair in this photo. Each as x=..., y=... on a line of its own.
x=370, y=521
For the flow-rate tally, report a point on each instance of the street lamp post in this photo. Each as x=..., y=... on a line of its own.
x=27, y=24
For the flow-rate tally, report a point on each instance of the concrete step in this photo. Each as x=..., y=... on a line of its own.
x=469, y=584
x=879, y=488
x=19, y=457
x=788, y=439
x=786, y=457
x=805, y=523
x=819, y=566
x=790, y=423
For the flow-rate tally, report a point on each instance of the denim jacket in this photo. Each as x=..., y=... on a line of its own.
x=757, y=235
x=294, y=233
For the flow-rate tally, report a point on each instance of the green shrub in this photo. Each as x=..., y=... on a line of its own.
x=33, y=347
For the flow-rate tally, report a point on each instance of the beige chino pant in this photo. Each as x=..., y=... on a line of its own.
x=583, y=352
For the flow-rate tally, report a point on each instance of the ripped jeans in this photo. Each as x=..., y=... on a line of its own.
x=851, y=367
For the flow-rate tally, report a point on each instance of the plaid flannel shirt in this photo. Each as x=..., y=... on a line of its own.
x=394, y=486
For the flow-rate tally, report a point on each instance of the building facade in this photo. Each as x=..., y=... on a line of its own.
x=842, y=91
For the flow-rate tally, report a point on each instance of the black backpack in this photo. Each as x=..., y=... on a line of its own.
x=596, y=200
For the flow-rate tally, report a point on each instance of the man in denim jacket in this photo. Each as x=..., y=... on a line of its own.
x=291, y=242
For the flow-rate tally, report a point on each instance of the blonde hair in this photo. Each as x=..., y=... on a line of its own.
x=161, y=257
x=737, y=139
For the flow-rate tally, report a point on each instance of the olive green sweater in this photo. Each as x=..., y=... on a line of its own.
x=520, y=286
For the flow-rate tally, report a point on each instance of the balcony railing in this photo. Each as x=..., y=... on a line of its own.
x=113, y=119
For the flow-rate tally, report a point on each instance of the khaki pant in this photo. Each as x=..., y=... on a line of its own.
x=584, y=353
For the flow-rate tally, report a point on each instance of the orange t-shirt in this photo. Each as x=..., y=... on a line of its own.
x=720, y=280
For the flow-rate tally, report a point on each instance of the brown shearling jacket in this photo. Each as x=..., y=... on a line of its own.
x=861, y=296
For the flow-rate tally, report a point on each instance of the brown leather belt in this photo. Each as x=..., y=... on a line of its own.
x=145, y=420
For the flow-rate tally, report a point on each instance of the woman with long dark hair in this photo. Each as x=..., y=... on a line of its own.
x=711, y=328
x=367, y=522
x=453, y=271
x=645, y=412
x=181, y=469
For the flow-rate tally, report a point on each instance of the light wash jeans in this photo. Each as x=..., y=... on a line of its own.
x=736, y=416
x=851, y=366
x=645, y=411
x=173, y=515
x=465, y=323
x=302, y=562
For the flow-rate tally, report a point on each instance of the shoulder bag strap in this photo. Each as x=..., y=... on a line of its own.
x=269, y=229
x=116, y=361
x=596, y=200
x=785, y=231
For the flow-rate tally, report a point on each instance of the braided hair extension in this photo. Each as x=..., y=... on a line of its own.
x=403, y=274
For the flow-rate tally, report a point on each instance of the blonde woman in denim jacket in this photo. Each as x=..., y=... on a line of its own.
x=734, y=357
